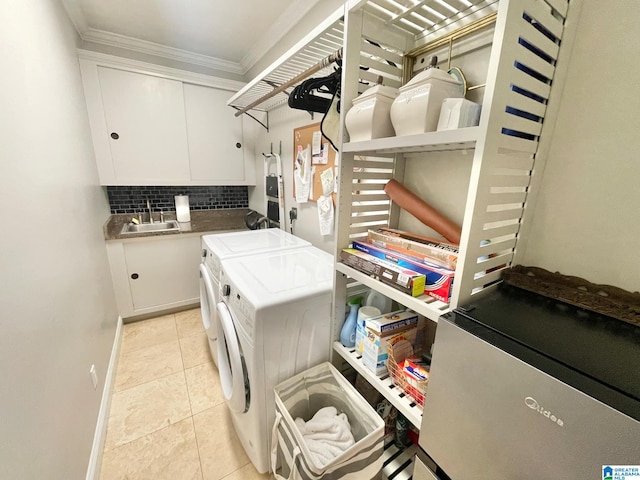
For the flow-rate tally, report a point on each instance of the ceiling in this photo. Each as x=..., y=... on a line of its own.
x=228, y=35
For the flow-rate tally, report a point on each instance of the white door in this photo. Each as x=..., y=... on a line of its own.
x=231, y=366
x=214, y=133
x=163, y=271
x=146, y=127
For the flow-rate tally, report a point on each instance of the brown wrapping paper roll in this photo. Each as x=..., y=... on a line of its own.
x=424, y=212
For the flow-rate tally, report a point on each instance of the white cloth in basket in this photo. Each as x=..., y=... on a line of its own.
x=327, y=434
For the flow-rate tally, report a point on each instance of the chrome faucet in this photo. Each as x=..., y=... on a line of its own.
x=149, y=208
x=262, y=221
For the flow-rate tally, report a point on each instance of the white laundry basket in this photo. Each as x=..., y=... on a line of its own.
x=302, y=396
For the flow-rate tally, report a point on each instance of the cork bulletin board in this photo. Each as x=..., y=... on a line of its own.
x=309, y=141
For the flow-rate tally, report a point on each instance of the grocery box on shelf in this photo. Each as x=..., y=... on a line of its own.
x=403, y=279
x=392, y=322
x=438, y=280
x=411, y=374
x=375, y=350
x=425, y=249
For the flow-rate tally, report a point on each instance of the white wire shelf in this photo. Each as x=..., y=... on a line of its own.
x=396, y=395
x=424, y=304
x=321, y=42
x=412, y=19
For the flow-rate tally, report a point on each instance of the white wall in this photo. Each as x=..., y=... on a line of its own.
x=57, y=307
x=586, y=218
x=282, y=122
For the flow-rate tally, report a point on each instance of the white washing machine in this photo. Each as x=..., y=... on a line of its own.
x=216, y=247
x=274, y=320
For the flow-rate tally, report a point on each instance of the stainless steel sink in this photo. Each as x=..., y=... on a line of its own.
x=168, y=226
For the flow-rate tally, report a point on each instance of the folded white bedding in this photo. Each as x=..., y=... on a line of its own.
x=327, y=434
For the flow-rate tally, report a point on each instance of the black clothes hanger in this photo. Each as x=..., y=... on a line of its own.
x=303, y=98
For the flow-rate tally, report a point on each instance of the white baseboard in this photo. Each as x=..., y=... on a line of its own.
x=95, y=460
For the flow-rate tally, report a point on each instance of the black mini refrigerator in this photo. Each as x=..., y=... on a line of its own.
x=526, y=387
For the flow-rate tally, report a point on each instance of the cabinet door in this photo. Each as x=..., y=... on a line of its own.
x=216, y=152
x=146, y=127
x=163, y=272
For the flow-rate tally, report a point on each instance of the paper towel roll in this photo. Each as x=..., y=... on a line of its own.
x=182, y=208
x=409, y=201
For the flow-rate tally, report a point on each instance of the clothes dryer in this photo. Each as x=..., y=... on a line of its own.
x=216, y=247
x=274, y=320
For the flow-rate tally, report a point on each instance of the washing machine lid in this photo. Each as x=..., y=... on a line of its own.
x=273, y=278
x=231, y=244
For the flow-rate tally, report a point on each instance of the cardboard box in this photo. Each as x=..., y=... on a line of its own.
x=403, y=279
x=416, y=373
x=361, y=332
x=438, y=281
x=375, y=348
x=392, y=323
x=424, y=249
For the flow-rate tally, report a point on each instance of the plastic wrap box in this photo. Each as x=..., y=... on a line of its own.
x=438, y=281
x=424, y=249
x=403, y=279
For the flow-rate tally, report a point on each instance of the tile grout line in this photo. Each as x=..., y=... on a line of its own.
x=153, y=379
x=145, y=435
x=193, y=423
x=191, y=416
x=159, y=429
x=184, y=373
x=128, y=326
x=120, y=358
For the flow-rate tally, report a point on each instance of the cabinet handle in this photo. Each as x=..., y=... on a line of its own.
x=238, y=145
x=114, y=135
x=134, y=276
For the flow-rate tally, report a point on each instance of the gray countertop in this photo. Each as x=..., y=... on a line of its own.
x=202, y=221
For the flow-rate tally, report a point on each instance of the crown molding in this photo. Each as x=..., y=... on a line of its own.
x=151, y=48
x=283, y=24
x=138, y=66
x=290, y=17
x=76, y=15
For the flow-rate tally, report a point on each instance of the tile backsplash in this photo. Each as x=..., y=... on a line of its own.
x=134, y=199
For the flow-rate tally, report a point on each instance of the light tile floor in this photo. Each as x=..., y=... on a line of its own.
x=168, y=419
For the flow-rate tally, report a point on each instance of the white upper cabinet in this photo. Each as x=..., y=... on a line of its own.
x=153, y=125
x=146, y=127
x=214, y=136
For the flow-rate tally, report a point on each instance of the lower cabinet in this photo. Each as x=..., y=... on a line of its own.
x=153, y=274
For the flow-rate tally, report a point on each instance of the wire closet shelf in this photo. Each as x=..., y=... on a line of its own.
x=411, y=20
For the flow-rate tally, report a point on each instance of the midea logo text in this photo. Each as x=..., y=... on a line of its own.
x=533, y=404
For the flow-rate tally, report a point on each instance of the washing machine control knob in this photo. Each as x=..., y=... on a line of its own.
x=226, y=290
